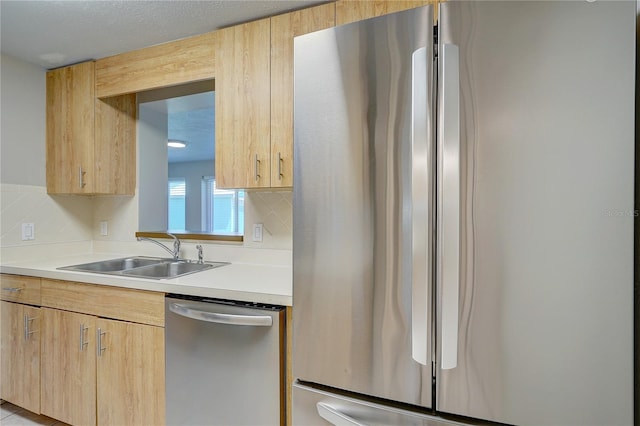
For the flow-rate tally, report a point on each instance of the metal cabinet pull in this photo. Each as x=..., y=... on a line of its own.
x=257, y=166
x=99, y=347
x=12, y=289
x=27, y=328
x=81, y=177
x=280, y=160
x=83, y=342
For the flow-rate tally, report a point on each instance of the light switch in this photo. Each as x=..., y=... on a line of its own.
x=104, y=228
x=257, y=232
x=28, y=231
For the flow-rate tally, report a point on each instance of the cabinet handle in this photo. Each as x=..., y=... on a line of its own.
x=27, y=329
x=280, y=160
x=99, y=345
x=83, y=343
x=257, y=164
x=12, y=289
x=81, y=177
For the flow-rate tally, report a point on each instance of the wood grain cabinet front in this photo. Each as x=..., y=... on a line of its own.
x=20, y=331
x=90, y=146
x=101, y=371
x=87, y=355
x=254, y=98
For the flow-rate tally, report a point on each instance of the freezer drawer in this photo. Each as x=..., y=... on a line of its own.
x=317, y=407
x=222, y=363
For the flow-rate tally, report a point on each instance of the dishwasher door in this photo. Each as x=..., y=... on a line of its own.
x=223, y=363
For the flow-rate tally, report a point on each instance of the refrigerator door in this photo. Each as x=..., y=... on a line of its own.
x=361, y=204
x=546, y=175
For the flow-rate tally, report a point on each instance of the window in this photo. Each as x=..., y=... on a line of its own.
x=222, y=210
x=177, y=203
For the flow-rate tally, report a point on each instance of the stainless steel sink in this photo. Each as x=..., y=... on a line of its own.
x=145, y=267
x=115, y=265
x=171, y=269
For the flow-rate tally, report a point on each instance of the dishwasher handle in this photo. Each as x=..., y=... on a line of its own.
x=216, y=317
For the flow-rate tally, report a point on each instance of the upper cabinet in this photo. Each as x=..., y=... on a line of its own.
x=356, y=10
x=90, y=141
x=283, y=29
x=254, y=98
x=243, y=128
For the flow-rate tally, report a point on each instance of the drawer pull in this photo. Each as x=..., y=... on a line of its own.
x=12, y=289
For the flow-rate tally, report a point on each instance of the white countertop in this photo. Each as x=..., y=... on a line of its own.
x=248, y=282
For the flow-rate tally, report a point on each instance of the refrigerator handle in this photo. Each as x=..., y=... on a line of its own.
x=449, y=248
x=335, y=417
x=421, y=209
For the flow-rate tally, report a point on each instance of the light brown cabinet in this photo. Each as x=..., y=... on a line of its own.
x=94, y=354
x=68, y=385
x=101, y=371
x=20, y=335
x=243, y=129
x=283, y=29
x=254, y=98
x=20, y=356
x=90, y=142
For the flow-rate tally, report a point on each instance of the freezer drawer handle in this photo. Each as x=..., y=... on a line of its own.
x=335, y=417
x=230, y=319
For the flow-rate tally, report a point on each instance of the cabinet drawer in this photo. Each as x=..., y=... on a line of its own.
x=145, y=307
x=16, y=288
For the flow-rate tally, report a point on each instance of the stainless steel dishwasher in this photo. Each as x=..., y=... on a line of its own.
x=223, y=363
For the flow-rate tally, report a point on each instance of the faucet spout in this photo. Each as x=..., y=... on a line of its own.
x=175, y=253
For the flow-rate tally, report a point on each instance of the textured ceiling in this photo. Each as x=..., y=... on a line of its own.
x=57, y=33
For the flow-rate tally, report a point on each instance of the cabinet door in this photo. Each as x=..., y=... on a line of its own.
x=20, y=355
x=356, y=10
x=283, y=29
x=68, y=376
x=243, y=121
x=114, y=169
x=70, y=129
x=130, y=374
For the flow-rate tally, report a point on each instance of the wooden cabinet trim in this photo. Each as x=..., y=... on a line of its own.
x=181, y=61
x=140, y=306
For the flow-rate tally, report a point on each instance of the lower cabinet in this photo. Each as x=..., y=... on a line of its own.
x=88, y=355
x=101, y=370
x=20, y=357
x=68, y=368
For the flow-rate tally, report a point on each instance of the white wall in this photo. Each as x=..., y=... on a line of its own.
x=62, y=224
x=152, y=169
x=192, y=172
x=22, y=110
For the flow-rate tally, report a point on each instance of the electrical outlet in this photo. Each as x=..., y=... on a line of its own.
x=28, y=231
x=257, y=232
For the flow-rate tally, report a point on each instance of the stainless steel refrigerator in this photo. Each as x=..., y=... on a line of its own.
x=463, y=216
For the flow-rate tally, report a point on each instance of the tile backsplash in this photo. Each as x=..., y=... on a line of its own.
x=69, y=220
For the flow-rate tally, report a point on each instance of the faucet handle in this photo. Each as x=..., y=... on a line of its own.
x=200, y=255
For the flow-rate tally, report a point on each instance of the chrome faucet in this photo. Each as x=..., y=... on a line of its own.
x=175, y=253
x=200, y=255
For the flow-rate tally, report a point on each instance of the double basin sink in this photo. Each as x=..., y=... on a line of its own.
x=145, y=267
